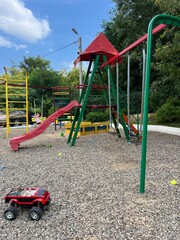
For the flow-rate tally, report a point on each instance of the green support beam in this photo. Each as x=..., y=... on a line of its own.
x=166, y=19
x=84, y=101
x=77, y=112
x=106, y=97
x=85, y=95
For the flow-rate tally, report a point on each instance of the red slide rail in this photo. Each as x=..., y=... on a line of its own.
x=15, y=141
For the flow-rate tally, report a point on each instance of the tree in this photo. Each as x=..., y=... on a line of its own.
x=41, y=79
x=129, y=21
x=41, y=83
x=33, y=63
x=71, y=79
x=169, y=7
x=167, y=62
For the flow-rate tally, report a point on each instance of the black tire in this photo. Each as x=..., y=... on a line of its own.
x=10, y=213
x=35, y=213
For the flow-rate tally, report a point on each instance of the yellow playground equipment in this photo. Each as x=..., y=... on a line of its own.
x=14, y=96
x=87, y=128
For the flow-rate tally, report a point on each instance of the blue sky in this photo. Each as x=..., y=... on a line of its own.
x=40, y=27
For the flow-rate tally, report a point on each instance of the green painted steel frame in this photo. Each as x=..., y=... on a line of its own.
x=84, y=98
x=166, y=19
x=83, y=101
x=113, y=90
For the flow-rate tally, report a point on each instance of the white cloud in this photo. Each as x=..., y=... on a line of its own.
x=27, y=51
x=20, y=46
x=18, y=21
x=6, y=43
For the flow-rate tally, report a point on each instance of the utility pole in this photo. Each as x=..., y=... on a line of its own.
x=80, y=63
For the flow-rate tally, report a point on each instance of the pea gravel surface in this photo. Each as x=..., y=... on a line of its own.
x=94, y=187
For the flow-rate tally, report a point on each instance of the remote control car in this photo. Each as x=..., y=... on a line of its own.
x=36, y=198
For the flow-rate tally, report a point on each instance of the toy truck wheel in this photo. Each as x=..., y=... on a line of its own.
x=11, y=213
x=35, y=213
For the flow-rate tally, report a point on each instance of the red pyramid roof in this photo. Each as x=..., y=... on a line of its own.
x=100, y=46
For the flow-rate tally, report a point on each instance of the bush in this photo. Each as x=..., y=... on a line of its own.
x=51, y=110
x=169, y=112
x=97, y=116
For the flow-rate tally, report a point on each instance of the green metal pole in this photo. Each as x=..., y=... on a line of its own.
x=166, y=19
x=120, y=111
x=145, y=114
x=85, y=100
x=81, y=98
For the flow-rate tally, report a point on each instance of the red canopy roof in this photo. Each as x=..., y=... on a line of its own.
x=100, y=46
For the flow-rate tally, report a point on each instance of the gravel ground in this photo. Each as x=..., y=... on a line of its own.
x=94, y=187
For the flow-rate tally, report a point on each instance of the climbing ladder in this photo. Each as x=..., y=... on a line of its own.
x=61, y=97
x=93, y=69
x=16, y=96
x=2, y=95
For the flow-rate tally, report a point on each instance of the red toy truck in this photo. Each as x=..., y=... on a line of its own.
x=37, y=198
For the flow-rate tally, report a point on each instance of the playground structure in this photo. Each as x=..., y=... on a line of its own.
x=14, y=100
x=95, y=57
x=98, y=52
x=104, y=56
x=163, y=20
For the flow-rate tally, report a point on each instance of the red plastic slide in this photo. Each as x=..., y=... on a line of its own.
x=15, y=141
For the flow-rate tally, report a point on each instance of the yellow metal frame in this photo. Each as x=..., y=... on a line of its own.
x=7, y=104
x=2, y=94
x=87, y=128
x=61, y=93
x=27, y=103
x=8, y=94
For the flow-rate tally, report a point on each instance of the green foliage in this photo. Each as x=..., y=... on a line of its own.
x=33, y=63
x=41, y=79
x=51, y=110
x=44, y=78
x=129, y=21
x=161, y=91
x=169, y=7
x=37, y=110
x=97, y=116
x=169, y=111
x=72, y=80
